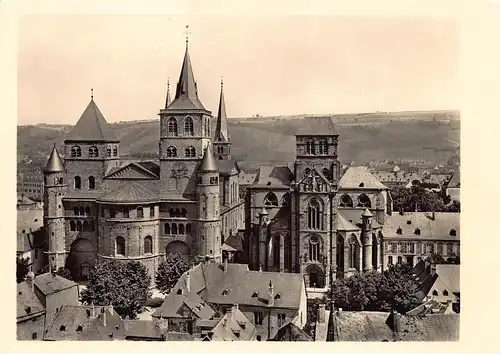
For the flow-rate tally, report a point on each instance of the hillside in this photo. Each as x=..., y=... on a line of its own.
x=258, y=141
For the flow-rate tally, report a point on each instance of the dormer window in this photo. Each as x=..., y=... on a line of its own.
x=255, y=294
x=399, y=231
x=408, y=222
x=435, y=293
x=361, y=184
x=445, y=292
x=179, y=291
x=417, y=231
x=278, y=296
x=453, y=232
x=79, y=328
x=225, y=292
x=62, y=328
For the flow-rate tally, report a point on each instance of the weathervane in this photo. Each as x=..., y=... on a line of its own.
x=187, y=33
x=91, y=93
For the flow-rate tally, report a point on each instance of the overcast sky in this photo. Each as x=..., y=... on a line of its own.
x=271, y=65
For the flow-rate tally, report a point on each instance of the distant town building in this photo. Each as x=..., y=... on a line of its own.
x=439, y=282
x=453, y=187
x=31, y=237
x=30, y=184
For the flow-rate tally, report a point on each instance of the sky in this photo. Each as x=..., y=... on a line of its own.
x=271, y=65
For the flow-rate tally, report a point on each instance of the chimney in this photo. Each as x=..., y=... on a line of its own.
x=225, y=265
x=236, y=307
x=271, y=294
x=111, y=310
x=188, y=282
x=103, y=318
x=396, y=324
x=433, y=215
x=30, y=279
x=321, y=313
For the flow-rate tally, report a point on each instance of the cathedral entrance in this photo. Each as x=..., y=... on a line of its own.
x=80, y=259
x=316, y=276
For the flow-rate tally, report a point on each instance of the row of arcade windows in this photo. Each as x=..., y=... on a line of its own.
x=76, y=151
x=121, y=245
x=188, y=152
x=176, y=229
x=77, y=182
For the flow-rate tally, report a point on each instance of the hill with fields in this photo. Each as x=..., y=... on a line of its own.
x=431, y=136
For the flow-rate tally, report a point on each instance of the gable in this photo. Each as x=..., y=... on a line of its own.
x=314, y=181
x=132, y=171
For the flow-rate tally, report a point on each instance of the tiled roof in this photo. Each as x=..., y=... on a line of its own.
x=290, y=330
x=354, y=216
x=274, y=176
x=142, y=329
x=91, y=126
x=450, y=274
x=359, y=177
x=186, y=95
x=130, y=192
x=246, y=179
x=362, y=326
x=438, y=228
x=455, y=180
x=54, y=163
x=233, y=326
x=174, y=302
x=345, y=225
x=83, y=323
x=49, y=283
x=430, y=328
x=28, y=303
x=317, y=126
x=225, y=166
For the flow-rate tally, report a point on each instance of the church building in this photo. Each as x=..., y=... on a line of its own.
x=98, y=205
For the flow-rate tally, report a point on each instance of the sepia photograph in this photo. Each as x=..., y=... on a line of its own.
x=238, y=178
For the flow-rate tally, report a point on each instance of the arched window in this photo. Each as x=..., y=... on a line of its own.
x=271, y=199
x=346, y=201
x=93, y=151
x=314, y=217
x=82, y=211
x=120, y=246
x=91, y=182
x=188, y=126
x=152, y=212
x=76, y=211
x=177, y=212
x=190, y=151
x=112, y=213
x=87, y=211
x=220, y=149
x=310, y=147
x=322, y=147
x=76, y=151
x=171, y=151
x=140, y=213
x=78, y=225
x=314, y=249
x=188, y=229
x=174, y=229
x=172, y=126
x=327, y=174
x=92, y=225
x=115, y=151
x=108, y=151
x=72, y=226
x=85, y=226
x=183, y=212
x=78, y=182
x=364, y=201
x=166, y=229
x=148, y=244
x=61, y=180
x=445, y=292
x=181, y=229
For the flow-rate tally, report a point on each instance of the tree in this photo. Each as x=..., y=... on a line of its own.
x=170, y=271
x=435, y=258
x=125, y=285
x=22, y=268
x=64, y=272
x=416, y=198
x=454, y=259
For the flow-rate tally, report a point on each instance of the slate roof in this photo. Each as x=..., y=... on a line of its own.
x=430, y=307
x=295, y=332
x=91, y=126
x=208, y=163
x=354, y=216
x=186, y=95
x=174, y=302
x=49, y=283
x=362, y=326
x=273, y=176
x=142, y=329
x=246, y=179
x=225, y=166
x=28, y=304
x=54, y=163
x=130, y=192
x=343, y=224
x=65, y=324
x=455, y=180
x=233, y=326
x=437, y=229
x=233, y=243
x=355, y=176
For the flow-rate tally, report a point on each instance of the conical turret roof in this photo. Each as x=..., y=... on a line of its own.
x=367, y=213
x=92, y=126
x=208, y=163
x=54, y=164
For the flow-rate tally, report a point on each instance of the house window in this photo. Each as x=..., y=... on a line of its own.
x=174, y=229
x=364, y=201
x=281, y=319
x=346, y=201
x=76, y=151
x=394, y=247
x=190, y=152
x=439, y=249
x=79, y=226
x=258, y=317
x=271, y=199
x=148, y=244
x=87, y=211
x=181, y=229
x=120, y=246
x=33, y=335
x=412, y=247
x=91, y=182
x=166, y=228
x=188, y=126
x=140, y=213
x=183, y=212
x=108, y=151
x=314, y=215
x=450, y=248
x=171, y=151
x=78, y=182
x=419, y=248
x=152, y=211
x=389, y=260
x=314, y=248
x=93, y=151
x=172, y=126
x=430, y=248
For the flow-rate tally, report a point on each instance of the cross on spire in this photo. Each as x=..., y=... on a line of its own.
x=187, y=33
x=91, y=93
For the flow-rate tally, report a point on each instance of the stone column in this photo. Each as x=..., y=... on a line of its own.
x=380, y=255
x=282, y=254
x=359, y=256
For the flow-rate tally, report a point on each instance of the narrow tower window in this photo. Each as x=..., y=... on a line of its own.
x=171, y=151
x=78, y=182
x=140, y=213
x=120, y=246
x=314, y=248
x=188, y=126
x=148, y=244
x=91, y=182
x=314, y=217
x=76, y=151
x=115, y=151
x=323, y=147
x=190, y=151
x=172, y=126
x=93, y=151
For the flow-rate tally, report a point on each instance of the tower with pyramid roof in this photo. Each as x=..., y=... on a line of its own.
x=222, y=141
x=53, y=212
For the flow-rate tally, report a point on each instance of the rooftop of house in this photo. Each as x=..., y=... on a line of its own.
x=431, y=307
x=85, y=323
x=354, y=217
x=455, y=180
x=29, y=226
x=233, y=326
x=237, y=285
x=360, y=177
x=429, y=328
x=444, y=276
x=177, y=299
x=24, y=200
x=143, y=329
x=422, y=225
x=28, y=304
x=49, y=283
x=246, y=179
x=289, y=329
x=362, y=326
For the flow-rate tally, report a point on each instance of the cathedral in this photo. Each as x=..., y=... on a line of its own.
x=100, y=206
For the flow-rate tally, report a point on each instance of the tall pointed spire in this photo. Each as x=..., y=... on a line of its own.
x=186, y=94
x=54, y=164
x=167, y=100
x=221, y=132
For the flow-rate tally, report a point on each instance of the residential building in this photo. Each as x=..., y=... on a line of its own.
x=30, y=184
x=439, y=282
x=453, y=187
x=413, y=236
x=30, y=237
x=99, y=206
